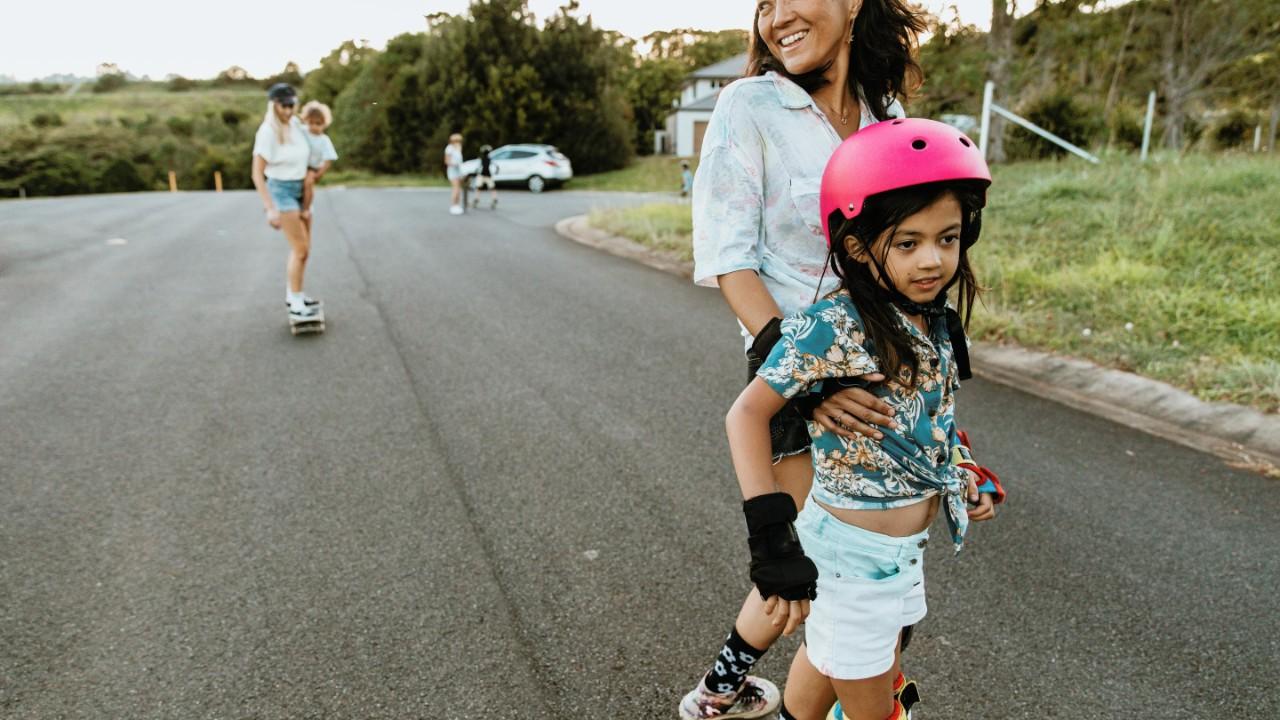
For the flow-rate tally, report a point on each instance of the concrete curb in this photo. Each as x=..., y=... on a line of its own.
x=1242, y=436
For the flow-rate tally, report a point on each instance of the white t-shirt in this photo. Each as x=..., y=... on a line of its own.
x=287, y=161
x=322, y=150
x=453, y=155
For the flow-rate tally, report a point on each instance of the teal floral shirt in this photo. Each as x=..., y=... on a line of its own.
x=826, y=341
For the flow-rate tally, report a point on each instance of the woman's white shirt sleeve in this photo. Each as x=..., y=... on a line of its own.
x=728, y=200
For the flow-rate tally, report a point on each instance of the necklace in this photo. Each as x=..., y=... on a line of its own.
x=844, y=116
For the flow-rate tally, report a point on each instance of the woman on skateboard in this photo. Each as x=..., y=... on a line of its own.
x=280, y=154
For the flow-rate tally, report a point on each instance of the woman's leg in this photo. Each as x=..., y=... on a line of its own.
x=299, y=247
x=869, y=699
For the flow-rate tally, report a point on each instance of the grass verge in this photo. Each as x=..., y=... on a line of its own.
x=1169, y=270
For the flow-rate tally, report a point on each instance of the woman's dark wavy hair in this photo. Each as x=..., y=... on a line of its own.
x=889, y=341
x=882, y=64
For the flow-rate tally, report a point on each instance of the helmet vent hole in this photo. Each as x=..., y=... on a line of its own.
x=919, y=144
x=897, y=122
x=965, y=142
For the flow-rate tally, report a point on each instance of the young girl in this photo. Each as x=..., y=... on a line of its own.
x=901, y=204
x=318, y=118
x=453, y=170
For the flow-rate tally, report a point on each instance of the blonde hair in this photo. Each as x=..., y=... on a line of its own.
x=455, y=138
x=315, y=107
x=281, y=129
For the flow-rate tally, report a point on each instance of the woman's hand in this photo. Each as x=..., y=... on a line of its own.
x=273, y=218
x=982, y=506
x=855, y=412
x=786, y=614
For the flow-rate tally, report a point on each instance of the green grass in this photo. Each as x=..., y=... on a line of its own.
x=1172, y=268
x=662, y=226
x=644, y=174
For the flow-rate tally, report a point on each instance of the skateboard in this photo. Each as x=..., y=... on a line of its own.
x=305, y=325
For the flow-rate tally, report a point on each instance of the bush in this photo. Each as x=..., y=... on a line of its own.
x=1232, y=131
x=109, y=83
x=47, y=120
x=233, y=118
x=121, y=176
x=1125, y=129
x=180, y=84
x=182, y=127
x=1071, y=119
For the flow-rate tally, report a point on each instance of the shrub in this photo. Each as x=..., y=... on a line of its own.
x=233, y=118
x=121, y=176
x=180, y=84
x=1069, y=118
x=109, y=83
x=182, y=127
x=47, y=120
x=1232, y=131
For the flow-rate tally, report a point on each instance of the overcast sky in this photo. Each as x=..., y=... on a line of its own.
x=198, y=40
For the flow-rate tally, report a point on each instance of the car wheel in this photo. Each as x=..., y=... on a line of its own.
x=537, y=184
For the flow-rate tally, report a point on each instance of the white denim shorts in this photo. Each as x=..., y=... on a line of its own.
x=870, y=586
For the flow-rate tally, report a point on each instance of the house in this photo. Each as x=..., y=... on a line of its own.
x=688, y=122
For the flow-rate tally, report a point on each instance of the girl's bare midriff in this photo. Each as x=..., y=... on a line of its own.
x=895, y=522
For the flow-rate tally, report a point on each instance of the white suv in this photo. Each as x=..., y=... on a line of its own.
x=534, y=166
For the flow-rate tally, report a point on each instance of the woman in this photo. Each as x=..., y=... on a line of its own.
x=280, y=153
x=818, y=71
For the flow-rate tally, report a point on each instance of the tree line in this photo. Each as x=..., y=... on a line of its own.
x=1080, y=68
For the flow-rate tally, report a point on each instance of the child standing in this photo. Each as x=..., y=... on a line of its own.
x=485, y=179
x=686, y=179
x=318, y=118
x=901, y=204
x=453, y=171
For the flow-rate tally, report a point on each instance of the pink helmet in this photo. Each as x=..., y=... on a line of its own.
x=892, y=155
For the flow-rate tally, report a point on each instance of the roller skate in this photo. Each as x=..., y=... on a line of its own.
x=757, y=698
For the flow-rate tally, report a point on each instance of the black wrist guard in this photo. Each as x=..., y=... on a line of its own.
x=762, y=345
x=778, y=563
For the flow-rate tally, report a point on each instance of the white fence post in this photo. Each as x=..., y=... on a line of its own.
x=1146, y=128
x=1257, y=138
x=987, y=93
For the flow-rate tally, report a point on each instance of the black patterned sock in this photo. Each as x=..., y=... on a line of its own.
x=732, y=665
x=785, y=714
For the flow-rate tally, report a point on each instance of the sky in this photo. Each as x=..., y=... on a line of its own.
x=199, y=40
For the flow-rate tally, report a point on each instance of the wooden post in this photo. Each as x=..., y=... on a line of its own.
x=173, y=181
x=217, y=180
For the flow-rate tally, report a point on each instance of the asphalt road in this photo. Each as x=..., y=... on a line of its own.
x=498, y=487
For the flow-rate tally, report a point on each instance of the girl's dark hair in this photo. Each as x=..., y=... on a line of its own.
x=882, y=64
x=888, y=340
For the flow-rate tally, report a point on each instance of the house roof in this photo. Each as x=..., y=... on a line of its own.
x=703, y=103
x=731, y=69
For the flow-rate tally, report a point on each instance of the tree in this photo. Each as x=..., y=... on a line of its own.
x=337, y=70
x=291, y=74
x=1000, y=47
x=1200, y=38
x=232, y=76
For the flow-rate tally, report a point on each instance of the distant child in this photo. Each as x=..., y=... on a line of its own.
x=485, y=178
x=453, y=171
x=318, y=118
x=686, y=179
x=901, y=204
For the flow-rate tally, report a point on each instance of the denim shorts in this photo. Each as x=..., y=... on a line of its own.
x=788, y=430
x=870, y=586
x=286, y=194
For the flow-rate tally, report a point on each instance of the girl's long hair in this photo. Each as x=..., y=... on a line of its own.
x=891, y=342
x=281, y=129
x=882, y=63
